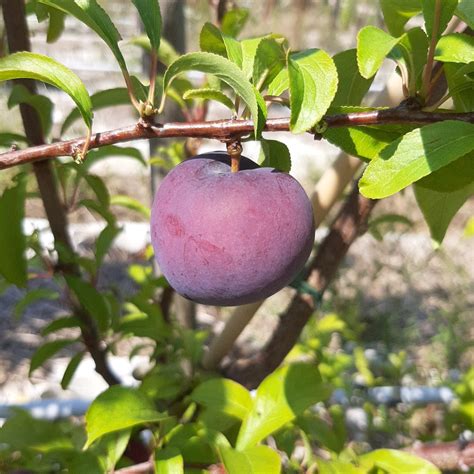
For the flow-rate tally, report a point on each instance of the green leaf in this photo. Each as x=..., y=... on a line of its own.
x=71, y=369
x=223, y=395
x=46, y=351
x=461, y=85
x=13, y=265
x=397, y=462
x=11, y=139
x=94, y=16
x=100, y=189
x=169, y=461
x=338, y=467
x=465, y=11
x=447, y=8
x=209, y=94
x=114, y=151
x=373, y=45
x=61, y=323
x=25, y=65
x=166, y=53
x=110, y=448
x=351, y=87
x=93, y=301
x=252, y=460
x=397, y=12
x=42, y=105
x=411, y=51
x=55, y=26
x=100, y=100
x=276, y=155
x=438, y=204
x=224, y=70
x=415, y=155
x=212, y=40
x=455, y=48
x=281, y=397
x=234, y=21
x=364, y=142
x=130, y=203
x=116, y=409
x=269, y=60
x=104, y=242
x=313, y=85
x=41, y=435
x=280, y=84
x=149, y=11
x=31, y=297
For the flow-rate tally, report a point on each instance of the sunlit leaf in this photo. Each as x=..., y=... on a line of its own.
x=149, y=11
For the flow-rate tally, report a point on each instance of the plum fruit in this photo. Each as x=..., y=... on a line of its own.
x=226, y=239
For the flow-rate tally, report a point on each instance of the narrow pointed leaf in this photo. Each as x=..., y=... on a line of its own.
x=225, y=70
x=26, y=65
x=313, y=85
x=209, y=94
x=212, y=40
x=416, y=155
x=351, y=87
x=46, y=351
x=71, y=370
x=446, y=13
x=13, y=265
x=95, y=17
x=461, y=85
x=397, y=12
x=100, y=100
x=373, y=45
x=234, y=21
x=149, y=11
x=31, y=297
x=116, y=409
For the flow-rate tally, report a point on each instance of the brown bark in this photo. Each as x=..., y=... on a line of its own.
x=348, y=225
x=221, y=130
x=18, y=40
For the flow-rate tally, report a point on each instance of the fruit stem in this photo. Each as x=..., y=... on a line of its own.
x=234, y=149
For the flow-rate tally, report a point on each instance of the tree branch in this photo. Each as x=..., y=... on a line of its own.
x=18, y=40
x=348, y=225
x=221, y=130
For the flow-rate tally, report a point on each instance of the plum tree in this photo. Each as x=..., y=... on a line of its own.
x=225, y=238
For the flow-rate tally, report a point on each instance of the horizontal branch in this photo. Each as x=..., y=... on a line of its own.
x=220, y=130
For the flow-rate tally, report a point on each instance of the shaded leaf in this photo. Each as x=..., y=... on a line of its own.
x=351, y=87
x=234, y=21
x=26, y=65
x=169, y=461
x=31, y=297
x=447, y=8
x=269, y=60
x=42, y=105
x=224, y=70
x=116, y=409
x=13, y=265
x=313, y=85
x=461, y=85
x=149, y=11
x=415, y=155
x=100, y=100
x=104, y=242
x=397, y=12
x=11, y=139
x=61, y=323
x=93, y=156
x=46, y=351
x=209, y=94
x=71, y=369
x=100, y=189
x=465, y=11
x=275, y=154
x=212, y=40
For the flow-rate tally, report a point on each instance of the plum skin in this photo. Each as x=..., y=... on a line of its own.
x=227, y=239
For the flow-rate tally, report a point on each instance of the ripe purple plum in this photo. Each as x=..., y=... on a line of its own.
x=229, y=238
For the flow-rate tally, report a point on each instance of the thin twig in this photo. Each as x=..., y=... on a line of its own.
x=221, y=130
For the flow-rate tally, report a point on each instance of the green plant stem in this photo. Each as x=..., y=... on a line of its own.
x=153, y=73
x=431, y=52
